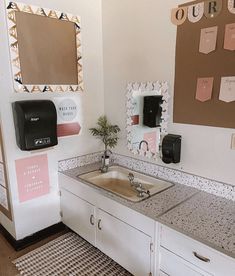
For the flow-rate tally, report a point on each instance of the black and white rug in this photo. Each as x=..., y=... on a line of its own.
x=68, y=255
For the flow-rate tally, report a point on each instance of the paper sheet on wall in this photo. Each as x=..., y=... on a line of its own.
x=3, y=198
x=151, y=138
x=32, y=177
x=2, y=175
x=204, y=89
x=227, y=89
x=69, y=116
x=208, y=40
x=229, y=37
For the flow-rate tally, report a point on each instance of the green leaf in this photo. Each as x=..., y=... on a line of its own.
x=106, y=132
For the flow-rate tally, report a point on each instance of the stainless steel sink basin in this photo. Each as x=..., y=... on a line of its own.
x=116, y=181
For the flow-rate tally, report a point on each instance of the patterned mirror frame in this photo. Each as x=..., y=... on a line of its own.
x=14, y=48
x=161, y=88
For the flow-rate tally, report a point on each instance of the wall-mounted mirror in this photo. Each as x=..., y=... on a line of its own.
x=45, y=48
x=147, y=116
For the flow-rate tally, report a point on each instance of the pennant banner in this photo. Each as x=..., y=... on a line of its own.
x=178, y=16
x=194, y=13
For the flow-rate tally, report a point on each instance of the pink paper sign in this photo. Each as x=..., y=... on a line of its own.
x=229, y=38
x=208, y=40
x=204, y=89
x=32, y=177
x=68, y=129
x=151, y=137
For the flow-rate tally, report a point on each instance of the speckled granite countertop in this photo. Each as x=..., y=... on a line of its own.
x=207, y=218
x=152, y=207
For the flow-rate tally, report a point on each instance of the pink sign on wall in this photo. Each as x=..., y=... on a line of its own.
x=151, y=138
x=32, y=177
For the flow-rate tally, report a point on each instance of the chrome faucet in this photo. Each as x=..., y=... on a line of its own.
x=143, y=141
x=105, y=165
x=138, y=186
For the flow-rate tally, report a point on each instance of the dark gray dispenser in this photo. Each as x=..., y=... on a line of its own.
x=152, y=111
x=171, y=148
x=35, y=124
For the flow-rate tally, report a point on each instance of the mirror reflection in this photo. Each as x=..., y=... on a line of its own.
x=147, y=114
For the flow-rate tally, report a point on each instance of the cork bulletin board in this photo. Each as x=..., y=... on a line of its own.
x=191, y=65
x=5, y=207
x=45, y=48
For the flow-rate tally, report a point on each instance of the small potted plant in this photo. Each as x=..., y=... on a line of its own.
x=107, y=133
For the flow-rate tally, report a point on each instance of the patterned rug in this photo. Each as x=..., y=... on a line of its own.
x=68, y=255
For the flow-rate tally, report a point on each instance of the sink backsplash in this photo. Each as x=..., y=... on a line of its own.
x=210, y=186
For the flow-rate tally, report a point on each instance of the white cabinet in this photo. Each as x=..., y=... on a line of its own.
x=125, y=244
x=190, y=255
x=78, y=215
x=128, y=246
x=173, y=265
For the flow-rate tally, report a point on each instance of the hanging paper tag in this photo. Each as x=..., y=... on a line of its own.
x=204, y=89
x=229, y=38
x=195, y=12
x=231, y=6
x=227, y=89
x=213, y=8
x=208, y=40
x=179, y=15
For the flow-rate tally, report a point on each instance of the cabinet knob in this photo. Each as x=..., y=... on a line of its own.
x=99, y=224
x=92, y=222
x=201, y=258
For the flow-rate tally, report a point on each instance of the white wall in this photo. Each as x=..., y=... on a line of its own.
x=40, y=213
x=139, y=45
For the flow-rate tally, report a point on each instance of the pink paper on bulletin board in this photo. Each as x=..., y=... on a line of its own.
x=32, y=177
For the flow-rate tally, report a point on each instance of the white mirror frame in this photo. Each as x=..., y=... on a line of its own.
x=161, y=88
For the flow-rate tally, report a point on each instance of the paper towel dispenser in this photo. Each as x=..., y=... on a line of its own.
x=152, y=111
x=35, y=124
x=171, y=148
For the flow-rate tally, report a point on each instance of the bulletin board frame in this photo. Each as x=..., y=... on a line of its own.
x=191, y=65
x=7, y=212
x=46, y=61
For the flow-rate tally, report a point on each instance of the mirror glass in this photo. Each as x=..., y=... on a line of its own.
x=147, y=115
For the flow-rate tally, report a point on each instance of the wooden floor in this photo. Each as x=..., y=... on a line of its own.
x=8, y=254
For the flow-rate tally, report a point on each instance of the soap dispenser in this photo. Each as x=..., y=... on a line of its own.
x=171, y=148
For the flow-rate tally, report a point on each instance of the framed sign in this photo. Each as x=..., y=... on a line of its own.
x=45, y=47
x=5, y=207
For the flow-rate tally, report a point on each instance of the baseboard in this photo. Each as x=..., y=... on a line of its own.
x=36, y=237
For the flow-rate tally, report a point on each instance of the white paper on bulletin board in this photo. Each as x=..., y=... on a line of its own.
x=3, y=198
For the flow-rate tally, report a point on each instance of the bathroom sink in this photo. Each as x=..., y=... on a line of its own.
x=116, y=181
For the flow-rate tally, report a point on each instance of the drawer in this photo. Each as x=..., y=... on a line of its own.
x=197, y=253
x=173, y=265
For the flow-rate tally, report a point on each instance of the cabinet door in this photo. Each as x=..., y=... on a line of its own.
x=78, y=215
x=126, y=245
x=173, y=265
